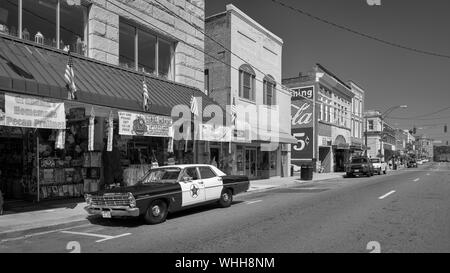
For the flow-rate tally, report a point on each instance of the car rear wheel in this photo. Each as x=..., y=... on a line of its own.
x=226, y=198
x=156, y=213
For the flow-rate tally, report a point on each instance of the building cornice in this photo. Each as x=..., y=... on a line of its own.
x=235, y=11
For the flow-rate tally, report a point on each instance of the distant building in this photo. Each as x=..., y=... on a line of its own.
x=333, y=100
x=380, y=136
x=357, y=118
x=424, y=147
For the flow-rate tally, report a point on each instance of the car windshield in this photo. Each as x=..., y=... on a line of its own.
x=162, y=175
x=359, y=160
x=375, y=160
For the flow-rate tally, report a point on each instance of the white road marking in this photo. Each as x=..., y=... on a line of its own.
x=42, y=233
x=428, y=174
x=417, y=179
x=386, y=195
x=105, y=237
x=253, y=202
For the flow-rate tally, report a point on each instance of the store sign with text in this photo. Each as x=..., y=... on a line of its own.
x=215, y=133
x=32, y=112
x=302, y=123
x=135, y=124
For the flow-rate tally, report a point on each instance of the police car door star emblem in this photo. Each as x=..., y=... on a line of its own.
x=194, y=191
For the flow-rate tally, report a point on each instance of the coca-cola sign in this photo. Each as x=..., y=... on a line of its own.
x=302, y=123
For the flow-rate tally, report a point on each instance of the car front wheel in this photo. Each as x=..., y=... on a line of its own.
x=156, y=213
x=226, y=198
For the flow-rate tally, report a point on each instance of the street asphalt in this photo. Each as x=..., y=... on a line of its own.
x=403, y=211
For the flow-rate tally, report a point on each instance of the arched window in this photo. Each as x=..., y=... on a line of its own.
x=247, y=82
x=269, y=90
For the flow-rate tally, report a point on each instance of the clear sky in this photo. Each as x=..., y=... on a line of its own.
x=389, y=75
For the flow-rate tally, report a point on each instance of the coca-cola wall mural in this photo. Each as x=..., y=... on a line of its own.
x=302, y=121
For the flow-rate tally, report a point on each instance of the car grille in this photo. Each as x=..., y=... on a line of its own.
x=116, y=199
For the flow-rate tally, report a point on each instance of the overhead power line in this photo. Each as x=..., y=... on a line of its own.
x=342, y=117
x=367, y=36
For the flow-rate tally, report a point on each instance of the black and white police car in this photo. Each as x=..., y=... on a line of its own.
x=168, y=189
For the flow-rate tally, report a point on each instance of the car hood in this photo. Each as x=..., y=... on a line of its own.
x=142, y=188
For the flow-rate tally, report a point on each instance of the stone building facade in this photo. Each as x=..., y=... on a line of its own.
x=180, y=23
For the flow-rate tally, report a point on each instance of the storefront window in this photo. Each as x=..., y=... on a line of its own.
x=146, y=52
x=39, y=21
x=9, y=15
x=72, y=26
x=126, y=45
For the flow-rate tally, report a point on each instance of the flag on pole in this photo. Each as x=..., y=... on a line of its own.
x=69, y=78
x=145, y=96
x=233, y=112
x=194, y=106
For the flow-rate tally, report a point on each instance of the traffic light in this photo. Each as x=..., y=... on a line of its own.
x=445, y=128
x=414, y=130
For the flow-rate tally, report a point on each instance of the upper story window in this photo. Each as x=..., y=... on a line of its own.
x=247, y=82
x=144, y=51
x=370, y=124
x=39, y=22
x=207, y=81
x=269, y=90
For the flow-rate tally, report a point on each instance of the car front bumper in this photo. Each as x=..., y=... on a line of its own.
x=114, y=211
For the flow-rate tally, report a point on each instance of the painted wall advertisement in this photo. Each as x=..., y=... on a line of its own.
x=134, y=124
x=30, y=112
x=302, y=121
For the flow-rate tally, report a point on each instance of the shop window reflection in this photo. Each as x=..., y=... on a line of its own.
x=40, y=16
x=146, y=52
x=73, y=25
x=126, y=45
x=9, y=14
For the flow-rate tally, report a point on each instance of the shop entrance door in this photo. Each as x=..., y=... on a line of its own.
x=250, y=162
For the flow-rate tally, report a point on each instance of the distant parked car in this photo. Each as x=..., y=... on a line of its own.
x=360, y=166
x=379, y=165
x=419, y=162
x=412, y=164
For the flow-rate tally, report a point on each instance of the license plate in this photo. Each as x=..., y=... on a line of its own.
x=106, y=214
x=356, y=171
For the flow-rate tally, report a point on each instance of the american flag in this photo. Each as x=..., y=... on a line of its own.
x=69, y=77
x=233, y=112
x=145, y=95
x=194, y=106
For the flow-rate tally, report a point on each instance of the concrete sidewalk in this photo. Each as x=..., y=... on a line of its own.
x=256, y=185
x=18, y=224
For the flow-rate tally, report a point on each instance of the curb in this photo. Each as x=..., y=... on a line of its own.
x=32, y=230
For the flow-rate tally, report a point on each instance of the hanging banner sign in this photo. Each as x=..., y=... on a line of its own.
x=134, y=124
x=302, y=123
x=217, y=134
x=109, y=146
x=91, y=130
x=31, y=112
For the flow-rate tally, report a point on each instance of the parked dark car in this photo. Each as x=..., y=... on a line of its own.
x=412, y=164
x=168, y=189
x=360, y=166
